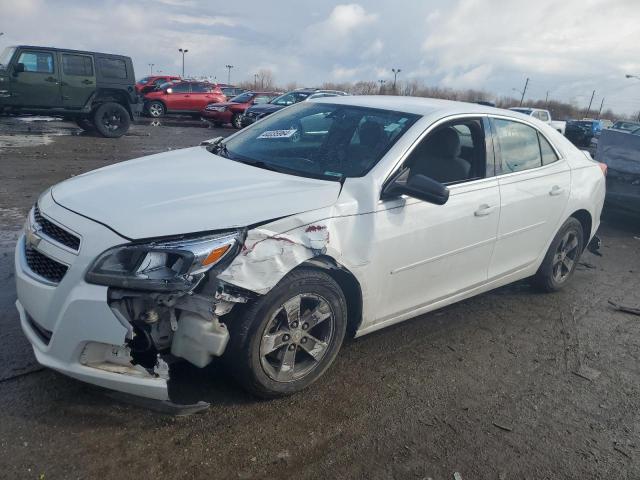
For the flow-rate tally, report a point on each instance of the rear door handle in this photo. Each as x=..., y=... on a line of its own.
x=51, y=79
x=556, y=190
x=484, y=210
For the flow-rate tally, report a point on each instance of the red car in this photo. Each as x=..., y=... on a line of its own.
x=183, y=97
x=148, y=84
x=231, y=111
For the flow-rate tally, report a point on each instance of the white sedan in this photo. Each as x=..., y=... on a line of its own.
x=331, y=217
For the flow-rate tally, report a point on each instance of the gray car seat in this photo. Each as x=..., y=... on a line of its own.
x=439, y=157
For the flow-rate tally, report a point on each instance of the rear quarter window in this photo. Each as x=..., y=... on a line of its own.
x=115, y=68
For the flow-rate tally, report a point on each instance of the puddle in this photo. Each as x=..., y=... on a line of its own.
x=32, y=130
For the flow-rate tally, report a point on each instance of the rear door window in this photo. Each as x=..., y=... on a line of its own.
x=518, y=145
x=37, y=62
x=181, y=88
x=200, y=88
x=81, y=65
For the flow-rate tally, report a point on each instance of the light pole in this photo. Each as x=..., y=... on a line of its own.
x=526, y=84
x=395, y=71
x=255, y=81
x=381, y=82
x=183, y=51
x=586, y=115
x=229, y=67
x=637, y=77
x=151, y=68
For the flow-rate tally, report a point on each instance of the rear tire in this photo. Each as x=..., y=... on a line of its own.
x=562, y=257
x=269, y=354
x=111, y=120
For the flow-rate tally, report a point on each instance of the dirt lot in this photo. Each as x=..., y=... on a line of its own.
x=508, y=385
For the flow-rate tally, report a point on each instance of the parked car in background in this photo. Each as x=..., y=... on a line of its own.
x=580, y=132
x=625, y=126
x=231, y=91
x=267, y=247
x=543, y=116
x=257, y=112
x=619, y=149
x=182, y=97
x=231, y=112
x=148, y=84
x=94, y=89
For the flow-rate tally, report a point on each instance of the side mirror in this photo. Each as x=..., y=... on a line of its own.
x=19, y=68
x=417, y=186
x=168, y=91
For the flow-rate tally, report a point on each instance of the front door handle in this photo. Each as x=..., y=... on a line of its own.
x=484, y=210
x=556, y=190
x=87, y=82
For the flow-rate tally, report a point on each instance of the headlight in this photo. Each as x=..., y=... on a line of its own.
x=176, y=265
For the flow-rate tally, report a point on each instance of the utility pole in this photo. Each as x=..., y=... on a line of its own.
x=546, y=100
x=395, y=71
x=151, y=68
x=526, y=84
x=183, y=51
x=601, y=105
x=229, y=67
x=255, y=81
x=590, y=102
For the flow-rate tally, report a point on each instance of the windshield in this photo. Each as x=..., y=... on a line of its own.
x=242, y=98
x=5, y=56
x=320, y=140
x=143, y=80
x=290, y=98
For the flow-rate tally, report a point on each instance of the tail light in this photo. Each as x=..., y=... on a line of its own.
x=604, y=168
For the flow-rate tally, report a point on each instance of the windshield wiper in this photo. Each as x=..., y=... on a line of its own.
x=260, y=164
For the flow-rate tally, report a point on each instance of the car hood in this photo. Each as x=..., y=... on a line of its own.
x=265, y=108
x=187, y=191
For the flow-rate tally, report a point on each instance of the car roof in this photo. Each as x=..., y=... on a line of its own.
x=417, y=105
x=55, y=49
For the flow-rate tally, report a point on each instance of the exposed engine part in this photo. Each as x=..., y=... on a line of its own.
x=198, y=340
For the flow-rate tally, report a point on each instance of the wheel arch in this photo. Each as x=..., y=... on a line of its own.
x=348, y=283
x=584, y=217
x=103, y=95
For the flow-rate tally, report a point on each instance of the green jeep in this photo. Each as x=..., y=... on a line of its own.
x=97, y=90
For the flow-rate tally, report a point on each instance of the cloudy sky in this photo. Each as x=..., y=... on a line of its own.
x=566, y=47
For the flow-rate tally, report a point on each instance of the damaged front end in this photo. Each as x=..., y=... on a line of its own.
x=168, y=295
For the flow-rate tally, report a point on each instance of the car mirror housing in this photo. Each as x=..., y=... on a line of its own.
x=417, y=186
x=168, y=91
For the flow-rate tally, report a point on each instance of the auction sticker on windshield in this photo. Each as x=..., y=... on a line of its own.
x=277, y=133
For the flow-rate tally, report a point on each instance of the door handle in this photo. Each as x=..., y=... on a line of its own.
x=87, y=82
x=556, y=190
x=484, y=210
x=51, y=79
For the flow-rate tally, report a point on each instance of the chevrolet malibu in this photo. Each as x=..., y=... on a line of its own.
x=333, y=217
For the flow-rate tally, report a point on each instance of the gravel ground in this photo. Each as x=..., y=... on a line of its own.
x=508, y=385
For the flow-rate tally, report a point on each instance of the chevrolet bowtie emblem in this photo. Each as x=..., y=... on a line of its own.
x=31, y=234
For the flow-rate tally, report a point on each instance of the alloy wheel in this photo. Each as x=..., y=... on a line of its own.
x=155, y=110
x=565, y=257
x=297, y=337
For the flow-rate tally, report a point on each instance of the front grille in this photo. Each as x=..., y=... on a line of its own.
x=44, y=266
x=55, y=232
x=43, y=333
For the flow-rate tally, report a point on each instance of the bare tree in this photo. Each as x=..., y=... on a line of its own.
x=265, y=79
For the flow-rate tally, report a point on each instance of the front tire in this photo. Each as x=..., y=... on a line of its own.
x=288, y=338
x=111, y=120
x=236, y=121
x=562, y=257
x=156, y=109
